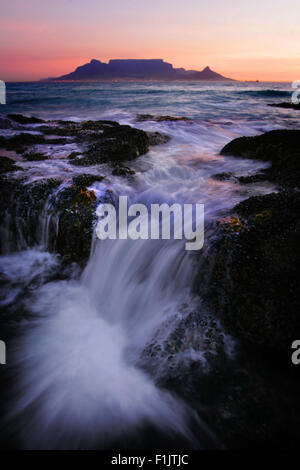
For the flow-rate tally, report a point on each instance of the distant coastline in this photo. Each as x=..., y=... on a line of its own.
x=136, y=70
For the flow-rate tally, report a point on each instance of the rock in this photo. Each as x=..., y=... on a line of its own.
x=286, y=105
x=198, y=331
x=73, y=155
x=6, y=165
x=8, y=124
x=67, y=213
x=24, y=141
x=35, y=156
x=257, y=178
x=86, y=180
x=98, y=141
x=223, y=176
x=19, y=118
x=151, y=117
x=20, y=142
x=156, y=138
x=115, y=144
x=21, y=212
x=76, y=206
x=280, y=147
x=249, y=276
x=249, y=179
x=122, y=170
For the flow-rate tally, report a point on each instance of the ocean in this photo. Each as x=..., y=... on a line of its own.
x=96, y=359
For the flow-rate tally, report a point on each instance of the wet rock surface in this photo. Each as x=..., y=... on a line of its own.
x=62, y=215
x=252, y=266
x=281, y=148
x=19, y=118
x=99, y=141
x=253, y=283
x=7, y=165
x=151, y=117
x=285, y=105
x=21, y=211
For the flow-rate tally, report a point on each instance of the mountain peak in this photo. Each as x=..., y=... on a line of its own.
x=137, y=69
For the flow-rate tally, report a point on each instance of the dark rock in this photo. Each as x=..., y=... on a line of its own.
x=257, y=178
x=249, y=276
x=151, y=117
x=24, y=119
x=76, y=206
x=223, y=176
x=122, y=170
x=114, y=144
x=6, y=165
x=86, y=180
x=24, y=141
x=73, y=155
x=156, y=138
x=35, y=156
x=8, y=124
x=68, y=214
x=21, y=212
x=20, y=142
x=280, y=147
x=103, y=141
x=80, y=130
x=285, y=105
x=249, y=179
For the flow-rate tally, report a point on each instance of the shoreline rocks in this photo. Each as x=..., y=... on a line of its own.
x=254, y=270
x=98, y=141
x=280, y=147
x=249, y=275
x=45, y=211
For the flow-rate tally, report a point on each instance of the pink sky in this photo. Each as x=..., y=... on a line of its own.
x=246, y=40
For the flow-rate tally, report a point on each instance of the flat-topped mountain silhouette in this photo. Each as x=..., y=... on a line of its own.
x=137, y=69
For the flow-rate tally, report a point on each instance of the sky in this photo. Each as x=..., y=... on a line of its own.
x=241, y=39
